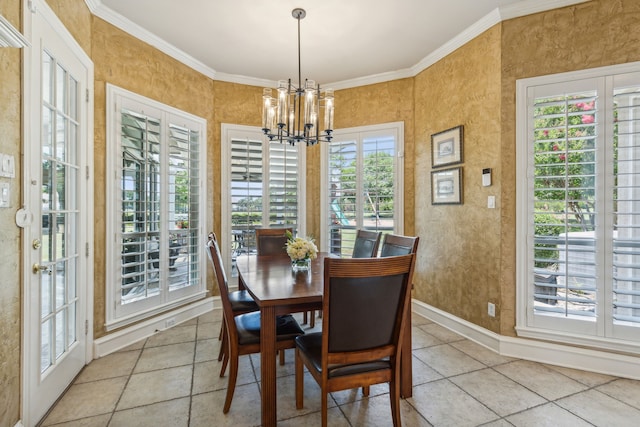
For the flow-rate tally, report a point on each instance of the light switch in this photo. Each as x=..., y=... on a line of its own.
x=491, y=202
x=5, y=194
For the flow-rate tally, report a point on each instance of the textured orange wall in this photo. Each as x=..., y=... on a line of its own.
x=458, y=259
x=234, y=104
x=76, y=17
x=10, y=283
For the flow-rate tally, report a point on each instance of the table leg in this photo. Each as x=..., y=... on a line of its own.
x=406, y=368
x=268, y=365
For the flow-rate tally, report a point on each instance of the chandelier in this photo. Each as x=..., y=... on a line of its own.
x=292, y=116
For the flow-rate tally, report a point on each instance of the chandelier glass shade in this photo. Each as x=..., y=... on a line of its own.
x=293, y=114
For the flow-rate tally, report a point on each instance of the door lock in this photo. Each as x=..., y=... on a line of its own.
x=37, y=268
x=36, y=244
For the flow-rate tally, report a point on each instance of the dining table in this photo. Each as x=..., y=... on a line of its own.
x=278, y=290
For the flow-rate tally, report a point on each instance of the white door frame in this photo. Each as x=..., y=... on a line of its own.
x=29, y=213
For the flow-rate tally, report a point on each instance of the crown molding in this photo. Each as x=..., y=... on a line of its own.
x=10, y=36
x=98, y=9
x=522, y=8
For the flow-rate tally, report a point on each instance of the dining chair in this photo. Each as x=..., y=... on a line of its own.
x=394, y=244
x=364, y=307
x=241, y=302
x=273, y=241
x=366, y=244
x=243, y=330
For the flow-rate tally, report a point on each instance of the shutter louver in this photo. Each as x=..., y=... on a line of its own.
x=564, y=204
x=626, y=231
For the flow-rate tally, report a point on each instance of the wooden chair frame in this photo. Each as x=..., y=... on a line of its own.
x=233, y=347
x=359, y=268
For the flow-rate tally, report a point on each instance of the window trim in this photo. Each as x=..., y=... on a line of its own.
x=115, y=317
x=395, y=127
x=525, y=326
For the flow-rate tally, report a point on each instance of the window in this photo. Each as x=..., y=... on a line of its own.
x=578, y=170
x=362, y=186
x=262, y=186
x=155, y=201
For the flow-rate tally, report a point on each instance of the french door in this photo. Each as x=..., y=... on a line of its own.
x=58, y=200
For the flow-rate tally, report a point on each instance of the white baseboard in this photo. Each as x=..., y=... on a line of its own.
x=127, y=336
x=19, y=424
x=537, y=351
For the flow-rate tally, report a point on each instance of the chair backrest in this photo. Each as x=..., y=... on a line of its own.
x=364, y=306
x=394, y=245
x=272, y=241
x=366, y=245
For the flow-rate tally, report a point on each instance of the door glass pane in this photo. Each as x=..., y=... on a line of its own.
x=59, y=233
x=60, y=334
x=61, y=88
x=71, y=324
x=46, y=286
x=46, y=336
x=61, y=137
x=47, y=131
x=47, y=78
x=60, y=284
x=73, y=100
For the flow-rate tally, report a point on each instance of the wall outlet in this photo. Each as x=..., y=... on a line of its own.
x=170, y=322
x=491, y=309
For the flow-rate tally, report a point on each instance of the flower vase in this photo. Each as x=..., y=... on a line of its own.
x=301, y=265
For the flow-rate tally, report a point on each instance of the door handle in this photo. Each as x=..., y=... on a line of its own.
x=37, y=268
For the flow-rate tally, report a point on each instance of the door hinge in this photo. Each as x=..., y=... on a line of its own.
x=87, y=92
x=86, y=249
x=87, y=168
x=86, y=327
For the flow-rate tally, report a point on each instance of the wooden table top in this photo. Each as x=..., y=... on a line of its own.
x=271, y=281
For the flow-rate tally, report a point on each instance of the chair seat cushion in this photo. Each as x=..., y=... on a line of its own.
x=248, y=326
x=242, y=301
x=311, y=345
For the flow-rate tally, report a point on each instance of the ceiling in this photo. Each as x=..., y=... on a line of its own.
x=343, y=42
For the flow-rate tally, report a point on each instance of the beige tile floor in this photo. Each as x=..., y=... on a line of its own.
x=172, y=379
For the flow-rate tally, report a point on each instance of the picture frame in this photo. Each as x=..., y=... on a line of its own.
x=446, y=186
x=446, y=147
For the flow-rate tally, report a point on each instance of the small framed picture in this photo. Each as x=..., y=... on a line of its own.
x=446, y=147
x=446, y=187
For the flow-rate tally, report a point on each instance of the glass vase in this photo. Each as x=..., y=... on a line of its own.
x=301, y=265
